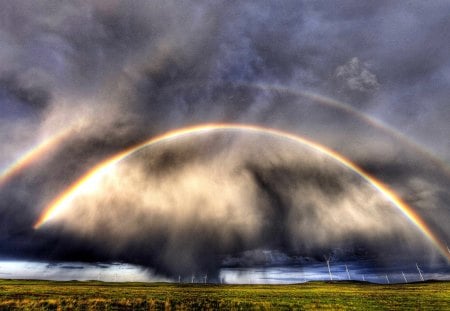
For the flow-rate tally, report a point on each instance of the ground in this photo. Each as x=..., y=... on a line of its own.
x=46, y=295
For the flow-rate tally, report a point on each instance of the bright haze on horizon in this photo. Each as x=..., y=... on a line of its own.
x=243, y=141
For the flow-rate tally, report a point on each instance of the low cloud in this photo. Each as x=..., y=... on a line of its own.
x=355, y=76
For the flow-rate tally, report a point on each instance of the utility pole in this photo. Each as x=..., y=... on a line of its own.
x=348, y=274
x=404, y=277
x=420, y=272
x=329, y=269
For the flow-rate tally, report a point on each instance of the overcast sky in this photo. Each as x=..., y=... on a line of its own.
x=369, y=80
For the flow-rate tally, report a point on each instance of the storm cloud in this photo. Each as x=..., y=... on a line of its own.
x=110, y=74
x=191, y=207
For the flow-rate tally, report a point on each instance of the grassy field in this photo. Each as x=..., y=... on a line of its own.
x=44, y=295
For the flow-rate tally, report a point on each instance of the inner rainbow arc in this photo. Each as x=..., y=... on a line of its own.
x=60, y=202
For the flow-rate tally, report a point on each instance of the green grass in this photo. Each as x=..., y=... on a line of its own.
x=45, y=295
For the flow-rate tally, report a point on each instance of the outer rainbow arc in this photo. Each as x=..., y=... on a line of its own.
x=32, y=155
x=347, y=108
x=383, y=127
x=344, y=107
x=57, y=205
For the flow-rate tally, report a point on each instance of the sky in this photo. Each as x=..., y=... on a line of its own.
x=328, y=137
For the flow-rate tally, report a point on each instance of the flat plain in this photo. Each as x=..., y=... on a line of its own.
x=74, y=295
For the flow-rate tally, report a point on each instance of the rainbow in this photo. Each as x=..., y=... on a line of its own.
x=32, y=155
x=343, y=107
x=376, y=123
x=61, y=202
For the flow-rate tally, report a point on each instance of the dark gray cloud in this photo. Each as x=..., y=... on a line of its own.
x=117, y=73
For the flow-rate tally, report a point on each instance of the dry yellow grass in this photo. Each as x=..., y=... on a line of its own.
x=43, y=295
